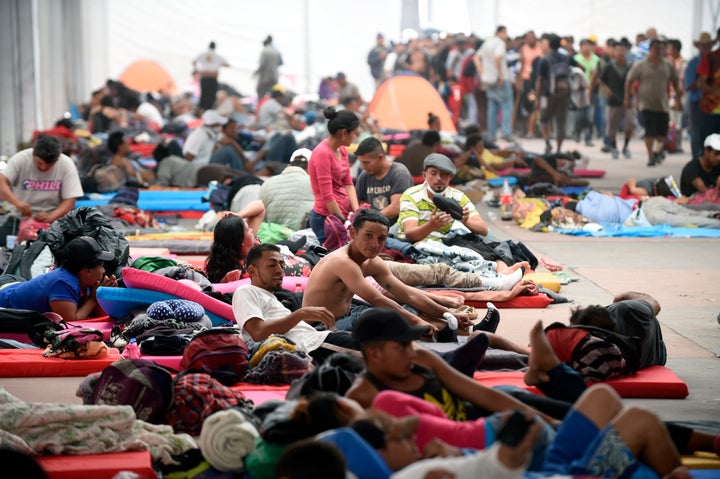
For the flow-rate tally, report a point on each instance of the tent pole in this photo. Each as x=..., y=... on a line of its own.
x=36, y=65
x=306, y=34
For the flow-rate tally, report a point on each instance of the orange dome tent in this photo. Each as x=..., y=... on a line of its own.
x=148, y=76
x=403, y=103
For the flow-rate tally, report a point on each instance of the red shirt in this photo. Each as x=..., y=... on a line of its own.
x=565, y=340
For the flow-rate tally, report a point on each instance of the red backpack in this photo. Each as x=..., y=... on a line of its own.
x=219, y=352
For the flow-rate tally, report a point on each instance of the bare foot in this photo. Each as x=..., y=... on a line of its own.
x=542, y=357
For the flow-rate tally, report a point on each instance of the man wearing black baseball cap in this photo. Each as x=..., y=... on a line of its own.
x=392, y=361
x=68, y=290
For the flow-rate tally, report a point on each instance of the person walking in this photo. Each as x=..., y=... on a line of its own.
x=207, y=65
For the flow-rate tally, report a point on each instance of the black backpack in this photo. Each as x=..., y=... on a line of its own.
x=32, y=323
x=28, y=260
x=559, y=73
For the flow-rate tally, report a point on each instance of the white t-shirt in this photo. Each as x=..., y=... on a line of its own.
x=209, y=62
x=481, y=464
x=252, y=302
x=201, y=143
x=492, y=48
x=43, y=190
x=150, y=112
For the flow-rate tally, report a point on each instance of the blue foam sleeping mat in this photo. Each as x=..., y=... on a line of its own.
x=157, y=200
x=657, y=231
x=118, y=302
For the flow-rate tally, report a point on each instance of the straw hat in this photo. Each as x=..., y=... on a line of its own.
x=705, y=37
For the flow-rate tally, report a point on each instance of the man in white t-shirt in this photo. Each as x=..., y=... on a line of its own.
x=207, y=65
x=38, y=182
x=259, y=313
x=200, y=143
x=495, y=77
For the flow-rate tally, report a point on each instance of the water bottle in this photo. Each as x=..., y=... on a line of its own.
x=506, y=198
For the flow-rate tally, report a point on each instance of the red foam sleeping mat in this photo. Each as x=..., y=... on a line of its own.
x=656, y=382
x=540, y=300
x=21, y=363
x=98, y=466
x=589, y=173
x=259, y=393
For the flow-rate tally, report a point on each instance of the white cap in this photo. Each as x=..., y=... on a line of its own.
x=212, y=117
x=713, y=141
x=304, y=152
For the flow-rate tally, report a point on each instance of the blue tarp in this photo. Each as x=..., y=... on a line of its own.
x=658, y=231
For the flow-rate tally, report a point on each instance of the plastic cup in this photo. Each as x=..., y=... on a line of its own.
x=10, y=241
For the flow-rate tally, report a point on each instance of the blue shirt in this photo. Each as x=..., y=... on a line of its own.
x=691, y=78
x=37, y=294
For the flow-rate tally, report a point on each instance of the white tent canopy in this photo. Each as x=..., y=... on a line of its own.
x=53, y=53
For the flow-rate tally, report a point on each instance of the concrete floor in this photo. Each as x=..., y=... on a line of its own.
x=683, y=274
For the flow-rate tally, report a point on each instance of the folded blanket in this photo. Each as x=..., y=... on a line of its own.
x=73, y=429
x=227, y=437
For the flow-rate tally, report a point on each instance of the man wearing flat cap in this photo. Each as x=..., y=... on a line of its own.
x=420, y=219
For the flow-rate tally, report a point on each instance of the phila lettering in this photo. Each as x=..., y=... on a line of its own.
x=44, y=185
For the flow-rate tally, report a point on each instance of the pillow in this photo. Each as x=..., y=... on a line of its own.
x=136, y=278
x=291, y=283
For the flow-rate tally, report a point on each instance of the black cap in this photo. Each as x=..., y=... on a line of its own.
x=84, y=250
x=381, y=324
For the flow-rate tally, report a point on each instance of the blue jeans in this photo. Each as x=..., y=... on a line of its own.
x=695, y=118
x=583, y=123
x=499, y=98
x=600, y=115
x=227, y=156
x=317, y=224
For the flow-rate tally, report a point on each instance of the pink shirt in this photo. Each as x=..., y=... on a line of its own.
x=528, y=54
x=329, y=177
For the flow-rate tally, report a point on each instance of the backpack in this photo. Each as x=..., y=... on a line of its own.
x=559, y=74
x=31, y=258
x=139, y=383
x=220, y=195
x=33, y=323
x=219, y=352
x=469, y=69
x=102, y=178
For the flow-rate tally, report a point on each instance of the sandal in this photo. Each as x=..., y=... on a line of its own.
x=550, y=266
x=469, y=311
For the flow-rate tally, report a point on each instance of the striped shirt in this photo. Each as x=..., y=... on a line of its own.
x=416, y=205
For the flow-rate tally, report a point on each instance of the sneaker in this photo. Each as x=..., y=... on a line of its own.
x=116, y=339
x=548, y=147
x=491, y=320
x=615, y=154
x=652, y=161
x=446, y=335
x=606, y=148
x=627, y=154
x=589, y=143
x=660, y=157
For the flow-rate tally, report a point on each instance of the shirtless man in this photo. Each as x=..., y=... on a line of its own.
x=341, y=274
